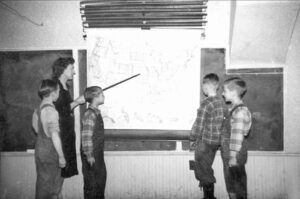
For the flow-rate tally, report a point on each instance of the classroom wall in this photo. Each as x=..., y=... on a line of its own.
x=268, y=35
x=292, y=93
x=143, y=174
x=262, y=32
x=62, y=25
x=288, y=38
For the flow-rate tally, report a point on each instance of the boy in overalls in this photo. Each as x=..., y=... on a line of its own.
x=49, y=157
x=238, y=126
x=92, y=146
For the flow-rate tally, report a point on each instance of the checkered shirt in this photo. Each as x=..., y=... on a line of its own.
x=208, y=123
x=240, y=126
x=87, y=131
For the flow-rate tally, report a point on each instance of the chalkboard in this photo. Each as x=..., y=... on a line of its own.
x=20, y=76
x=264, y=98
x=265, y=101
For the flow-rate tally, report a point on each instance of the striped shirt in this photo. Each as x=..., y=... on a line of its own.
x=208, y=123
x=240, y=126
x=87, y=131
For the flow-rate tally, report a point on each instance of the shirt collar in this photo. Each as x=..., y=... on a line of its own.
x=95, y=109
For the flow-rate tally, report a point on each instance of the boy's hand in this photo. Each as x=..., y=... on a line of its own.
x=62, y=162
x=192, y=145
x=91, y=161
x=232, y=162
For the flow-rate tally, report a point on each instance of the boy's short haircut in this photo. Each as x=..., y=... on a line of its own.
x=47, y=86
x=238, y=84
x=60, y=65
x=91, y=92
x=211, y=78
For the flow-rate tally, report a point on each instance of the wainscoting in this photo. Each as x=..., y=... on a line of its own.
x=162, y=175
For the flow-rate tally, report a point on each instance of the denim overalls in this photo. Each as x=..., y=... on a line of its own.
x=95, y=177
x=236, y=177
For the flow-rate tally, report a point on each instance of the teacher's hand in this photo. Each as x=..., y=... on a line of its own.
x=80, y=100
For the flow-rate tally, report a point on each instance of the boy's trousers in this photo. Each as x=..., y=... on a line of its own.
x=204, y=157
x=94, y=177
x=237, y=179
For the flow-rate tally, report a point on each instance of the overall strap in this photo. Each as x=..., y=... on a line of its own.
x=40, y=125
x=240, y=105
x=94, y=112
x=47, y=105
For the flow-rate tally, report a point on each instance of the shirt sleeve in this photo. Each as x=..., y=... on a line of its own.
x=240, y=126
x=88, y=123
x=199, y=122
x=51, y=121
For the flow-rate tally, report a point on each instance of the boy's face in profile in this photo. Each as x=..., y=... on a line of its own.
x=99, y=99
x=228, y=94
x=205, y=89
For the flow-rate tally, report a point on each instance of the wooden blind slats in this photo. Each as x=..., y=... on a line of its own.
x=169, y=15
x=130, y=18
x=143, y=26
x=147, y=13
x=140, y=7
x=144, y=11
x=112, y=3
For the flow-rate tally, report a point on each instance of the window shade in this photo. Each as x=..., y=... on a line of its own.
x=143, y=14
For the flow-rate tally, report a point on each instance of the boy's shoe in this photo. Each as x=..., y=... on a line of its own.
x=209, y=191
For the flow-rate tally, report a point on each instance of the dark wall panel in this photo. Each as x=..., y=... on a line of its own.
x=20, y=76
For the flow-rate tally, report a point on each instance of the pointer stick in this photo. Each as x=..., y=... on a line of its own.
x=120, y=82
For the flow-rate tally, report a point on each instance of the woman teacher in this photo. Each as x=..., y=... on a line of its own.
x=63, y=71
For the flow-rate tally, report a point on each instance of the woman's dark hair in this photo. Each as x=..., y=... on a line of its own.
x=47, y=86
x=60, y=65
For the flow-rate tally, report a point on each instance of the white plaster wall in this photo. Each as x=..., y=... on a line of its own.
x=62, y=25
x=217, y=27
x=292, y=93
x=262, y=32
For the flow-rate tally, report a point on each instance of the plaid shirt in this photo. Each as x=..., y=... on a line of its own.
x=208, y=123
x=240, y=127
x=88, y=124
